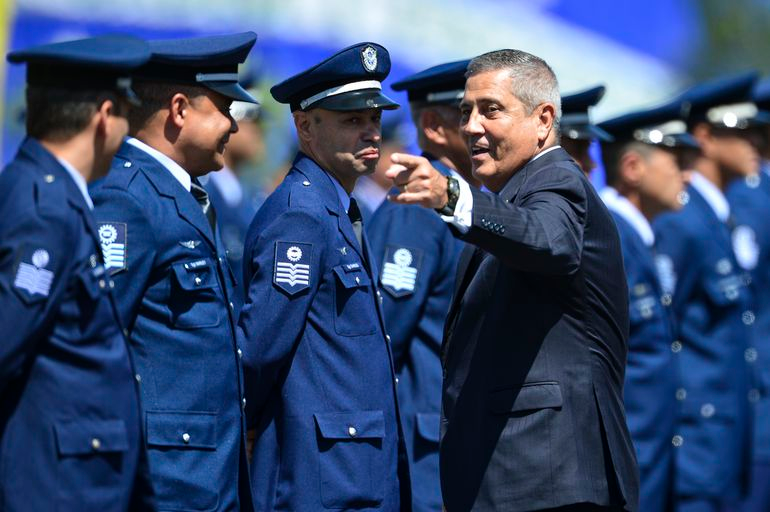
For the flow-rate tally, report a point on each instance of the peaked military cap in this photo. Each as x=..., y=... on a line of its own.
x=444, y=83
x=725, y=101
x=210, y=62
x=659, y=126
x=104, y=62
x=351, y=79
x=761, y=94
x=576, y=118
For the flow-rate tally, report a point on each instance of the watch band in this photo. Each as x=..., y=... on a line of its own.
x=453, y=194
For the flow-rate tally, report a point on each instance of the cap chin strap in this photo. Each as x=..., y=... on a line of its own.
x=216, y=77
x=341, y=89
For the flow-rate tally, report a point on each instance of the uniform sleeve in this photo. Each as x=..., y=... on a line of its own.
x=131, y=268
x=676, y=267
x=542, y=234
x=35, y=270
x=274, y=315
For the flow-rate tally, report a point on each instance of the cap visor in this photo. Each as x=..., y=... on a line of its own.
x=231, y=90
x=586, y=132
x=357, y=100
x=684, y=140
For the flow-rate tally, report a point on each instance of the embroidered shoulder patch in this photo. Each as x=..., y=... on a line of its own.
x=33, y=280
x=400, y=269
x=113, y=237
x=291, y=268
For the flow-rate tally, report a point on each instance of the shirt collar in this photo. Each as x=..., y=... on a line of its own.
x=369, y=194
x=713, y=196
x=174, y=168
x=343, y=195
x=543, y=152
x=630, y=213
x=228, y=185
x=79, y=180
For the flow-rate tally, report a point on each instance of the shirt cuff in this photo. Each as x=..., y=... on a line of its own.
x=463, y=216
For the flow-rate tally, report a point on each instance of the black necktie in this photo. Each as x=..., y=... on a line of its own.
x=200, y=195
x=354, y=214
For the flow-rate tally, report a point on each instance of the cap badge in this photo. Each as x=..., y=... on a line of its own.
x=369, y=59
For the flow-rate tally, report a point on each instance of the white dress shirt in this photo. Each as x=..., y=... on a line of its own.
x=174, y=168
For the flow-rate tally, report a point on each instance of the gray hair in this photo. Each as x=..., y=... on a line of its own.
x=533, y=80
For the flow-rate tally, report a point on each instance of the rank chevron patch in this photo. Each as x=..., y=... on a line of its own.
x=400, y=270
x=292, y=266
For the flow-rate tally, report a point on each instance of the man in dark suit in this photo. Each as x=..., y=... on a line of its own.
x=70, y=434
x=536, y=338
x=161, y=245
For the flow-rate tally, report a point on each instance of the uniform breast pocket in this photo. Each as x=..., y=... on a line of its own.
x=351, y=459
x=91, y=463
x=353, y=302
x=194, y=302
x=724, y=290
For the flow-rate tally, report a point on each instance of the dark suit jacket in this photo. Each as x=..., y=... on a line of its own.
x=535, y=351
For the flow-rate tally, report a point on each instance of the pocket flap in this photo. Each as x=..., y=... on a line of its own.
x=351, y=279
x=195, y=274
x=723, y=290
x=529, y=397
x=428, y=426
x=182, y=429
x=351, y=425
x=83, y=437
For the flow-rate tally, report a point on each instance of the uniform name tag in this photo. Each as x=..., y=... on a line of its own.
x=291, y=269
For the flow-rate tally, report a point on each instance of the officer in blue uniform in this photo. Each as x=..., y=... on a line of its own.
x=712, y=304
x=644, y=180
x=234, y=205
x=319, y=366
x=70, y=435
x=577, y=129
x=417, y=257
x=749, y=199
x=158, y=234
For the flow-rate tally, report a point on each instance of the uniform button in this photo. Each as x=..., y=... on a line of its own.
x=397, y=381
x=198, y=281
x=676, y=347
x=112, y=284
x=240, y=353
x=681, y=394
x=92, y=260
x=387, y=337
x=352, y=432
x=754, y=396
x=306, y=183
x=126, y=164
x=138, y=378
x=358, y=280
x=707, y=410
x=49, y=178
x=232, y=306
x=102, y=283
x=96, y=444
x=666, y=299
x=186, y=438
x=125, y=333
x=677, y=441
x=243, y=403
x=748, y=317
x=750, y=354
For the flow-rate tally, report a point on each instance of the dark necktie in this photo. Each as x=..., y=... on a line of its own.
x=200, y=195
x=354, y=214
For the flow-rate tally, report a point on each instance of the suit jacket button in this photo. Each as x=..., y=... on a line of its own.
x=352, y=432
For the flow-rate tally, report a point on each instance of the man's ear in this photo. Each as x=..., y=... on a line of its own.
x=179, y=106
x=432, y=126
x=303, y=123
x=546, y=113
x=102, y=115
x=631, y=167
